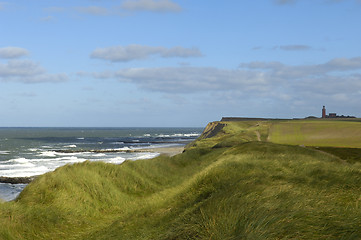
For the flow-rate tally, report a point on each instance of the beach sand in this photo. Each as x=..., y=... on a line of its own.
x=169, y=151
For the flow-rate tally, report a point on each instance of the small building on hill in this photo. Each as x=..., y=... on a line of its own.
x=333, y=115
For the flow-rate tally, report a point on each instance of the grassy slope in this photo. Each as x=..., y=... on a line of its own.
x=230, y=186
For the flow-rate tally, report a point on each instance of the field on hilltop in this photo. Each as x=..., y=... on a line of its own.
x=237, y=181
x=331, y=133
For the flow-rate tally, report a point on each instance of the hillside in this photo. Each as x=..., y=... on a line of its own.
x=330, y=133
x=237, y=181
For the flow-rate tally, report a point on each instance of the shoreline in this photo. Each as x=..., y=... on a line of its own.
x=168, y=151
x=15, y=185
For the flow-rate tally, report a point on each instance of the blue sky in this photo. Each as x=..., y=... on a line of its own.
x=161, y=63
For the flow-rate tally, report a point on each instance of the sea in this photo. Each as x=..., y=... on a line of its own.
x=26, y=152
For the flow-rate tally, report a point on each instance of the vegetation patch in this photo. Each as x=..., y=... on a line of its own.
x=229, y=186
x=351, y=155
x=325, y=133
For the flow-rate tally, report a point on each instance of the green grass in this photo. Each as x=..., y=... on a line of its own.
x=328, y=133
x=350, y=155
x=230, y=186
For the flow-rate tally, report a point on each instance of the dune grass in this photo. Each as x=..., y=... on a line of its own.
x=350, y=155
x=230, y=186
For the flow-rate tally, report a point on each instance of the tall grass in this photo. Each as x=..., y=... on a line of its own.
x=228, y=187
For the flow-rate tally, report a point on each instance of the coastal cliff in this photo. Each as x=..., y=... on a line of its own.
x=212, y=129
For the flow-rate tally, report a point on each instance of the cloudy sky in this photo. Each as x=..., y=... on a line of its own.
x=123, y=63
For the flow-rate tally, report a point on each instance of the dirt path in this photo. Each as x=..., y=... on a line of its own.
x=258, y=136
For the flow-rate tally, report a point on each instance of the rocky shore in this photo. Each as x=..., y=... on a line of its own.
x=16, y=180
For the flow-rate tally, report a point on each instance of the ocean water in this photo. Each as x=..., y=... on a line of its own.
x=28, y=152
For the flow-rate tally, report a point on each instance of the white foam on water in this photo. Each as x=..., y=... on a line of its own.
x=116, y=160
x=164, y=135
x=37, y=160
x=71, y=159
x=67, y=154
x=80, y=138
x=164, y=145
x=99, y=155
x=45, y=160
x=179, y=135
x=24, y=172
x=47, y=154
x=145, y=155
x=15, y=166
x=19, y=160
x=117, y=143
x=52, y=154
x=70, y=146
x=4, y=152
x=33, y=149
x=192, y=134
x=118, y=149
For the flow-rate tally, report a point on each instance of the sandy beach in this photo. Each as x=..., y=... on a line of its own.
x=169, y=151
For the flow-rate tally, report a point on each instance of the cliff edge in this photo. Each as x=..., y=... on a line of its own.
x=212, y=129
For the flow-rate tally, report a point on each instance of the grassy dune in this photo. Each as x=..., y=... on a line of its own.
x=227, y=186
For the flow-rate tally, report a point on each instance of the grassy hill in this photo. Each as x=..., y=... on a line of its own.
x=235, y=182
x=317, y=133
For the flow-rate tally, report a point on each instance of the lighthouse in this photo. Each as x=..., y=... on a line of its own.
x=323, y=112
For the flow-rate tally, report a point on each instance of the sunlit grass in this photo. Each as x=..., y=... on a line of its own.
x=231, y=186
x=317, y=133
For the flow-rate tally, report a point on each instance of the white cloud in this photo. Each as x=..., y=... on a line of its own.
x=18, y=68
x=190, y=79
x=94, y=10
x=151, y=5
x=295, y=47
x=47, y=19
x=2, y=5
x=257, y=48
x=55, y=9
x=123, y=9
x=336, y=81
x=27, y=94
x=284, y=2
x=301, y=71
x=344, y=64
x=137, y=52
x=28, y=72
x=13, y=52
x=180, y=52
